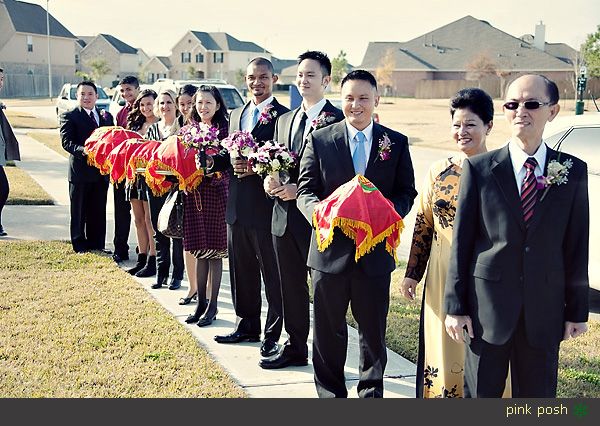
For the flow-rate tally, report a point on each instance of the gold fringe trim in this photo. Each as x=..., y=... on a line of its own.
x=368, y=244
x=155, y=183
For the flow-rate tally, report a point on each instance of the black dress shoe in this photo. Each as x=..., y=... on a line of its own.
x=269, y=348
x=175, y=284
x=192, y=319
x=118, y=258
x=159, y=283
x=206, y=320
x=105, y=251
x=2, y=232
x=237, y=337
x=282, y=361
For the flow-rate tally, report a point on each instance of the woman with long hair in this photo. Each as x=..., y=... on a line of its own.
x=205, y=230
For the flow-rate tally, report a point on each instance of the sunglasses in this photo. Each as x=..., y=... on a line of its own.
x=512, y=105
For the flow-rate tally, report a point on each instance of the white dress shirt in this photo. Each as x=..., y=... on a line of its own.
x=246, y=123
x=312, y=113
x=368, y=132
x=518, y=158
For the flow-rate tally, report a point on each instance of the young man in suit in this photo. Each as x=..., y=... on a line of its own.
x=87, y=187
x=333, y=156
x=248, y=217
x=129, y=87
x=9, y=150
x=517, y=281
x=291, y=232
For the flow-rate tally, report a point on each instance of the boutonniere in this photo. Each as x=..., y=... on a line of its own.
x=323, y=120
x=103, y=114
x=267, y=115
x=557, y=175
x=385, y=147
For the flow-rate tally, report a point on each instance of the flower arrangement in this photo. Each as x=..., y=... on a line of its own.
x=201, y=137
x=385, y=147
x=239, y=144
x=267, y=115
x=103, y=114
x=323, y=120
x=270, y=158
x=557, y=175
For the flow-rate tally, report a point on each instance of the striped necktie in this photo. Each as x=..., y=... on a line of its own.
x=529, y=190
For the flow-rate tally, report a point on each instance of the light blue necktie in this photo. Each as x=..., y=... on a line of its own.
x=359, y=158
x=255, y=115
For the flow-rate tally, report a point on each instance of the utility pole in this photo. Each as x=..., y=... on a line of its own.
x=49, y=63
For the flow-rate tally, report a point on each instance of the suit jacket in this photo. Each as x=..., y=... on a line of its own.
x=75, y=127
x=326, y=164
x=12, y=146
x=499, y=268
x=247, y=203
x=285, y=213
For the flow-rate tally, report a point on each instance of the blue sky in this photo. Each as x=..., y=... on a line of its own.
x=287, y=28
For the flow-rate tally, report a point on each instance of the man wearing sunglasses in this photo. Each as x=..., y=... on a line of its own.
x=517, y=282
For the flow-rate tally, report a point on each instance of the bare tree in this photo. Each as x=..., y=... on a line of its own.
x=503, y=70
x=384, y=72
x=481, y=66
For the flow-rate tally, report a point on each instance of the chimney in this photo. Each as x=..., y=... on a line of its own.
x=540, y=36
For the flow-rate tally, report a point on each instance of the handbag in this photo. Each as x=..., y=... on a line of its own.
x=170, y=217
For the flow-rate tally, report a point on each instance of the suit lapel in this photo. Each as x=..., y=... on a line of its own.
x=503, y=173
x=340, y=139
x=377, y=136
x=288, y=129
x=541, y=207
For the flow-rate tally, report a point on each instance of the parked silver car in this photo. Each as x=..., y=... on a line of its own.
x=67, y=99
x=582, y=139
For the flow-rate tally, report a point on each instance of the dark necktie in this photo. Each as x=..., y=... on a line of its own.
x=93, y=118
x=299, y=135
x=529, y=190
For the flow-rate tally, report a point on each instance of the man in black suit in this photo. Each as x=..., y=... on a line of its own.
x=332, y=157
x=517, y=282
x=248, y=217
x=291, y=232
x=87, y=187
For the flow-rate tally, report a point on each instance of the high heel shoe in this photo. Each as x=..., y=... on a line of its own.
x=206, y=320
x=192, y=319
x=188, y=300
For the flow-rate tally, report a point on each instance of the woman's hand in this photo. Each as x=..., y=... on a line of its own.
x=407, y=288
x=269, y=184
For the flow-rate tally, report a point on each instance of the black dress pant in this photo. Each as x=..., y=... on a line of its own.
x=251, y=252
x=369, y=300
x=88, y=215
x=4, y=190
x=163, y=243
x=291, y=252
x=534, y=371
x=122, y=216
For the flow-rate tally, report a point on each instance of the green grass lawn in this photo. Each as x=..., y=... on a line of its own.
x=75, y=325
x=25, y=190
x=23, y=120
x=579, y=366
x=51, y=141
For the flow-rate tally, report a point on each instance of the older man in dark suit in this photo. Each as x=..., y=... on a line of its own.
x=291, y=232
x=517, y=282
x=248, y=217
x=87, y=187
x=332, y=157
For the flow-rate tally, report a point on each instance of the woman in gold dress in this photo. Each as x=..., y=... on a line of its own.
x=441, y=360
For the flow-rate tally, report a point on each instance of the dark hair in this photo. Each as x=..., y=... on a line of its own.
x=130, y=80
x=551, y=90
x=475, y=100
x=320, y=57
x=1, y=69
x=360, y=75
x=264, y=62
x=135, y=118
x=221, y=117
x=188, y=89
x=87, y=83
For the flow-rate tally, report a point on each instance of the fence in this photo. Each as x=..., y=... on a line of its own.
x=33, y=86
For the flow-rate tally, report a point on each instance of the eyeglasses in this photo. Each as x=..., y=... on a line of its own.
x=512, y=105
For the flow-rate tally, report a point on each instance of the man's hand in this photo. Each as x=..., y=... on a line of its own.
x=241, y=167
x=269, y=184
x=574, y=329
x=407, y=288
x=455, y=325
x=285, y=192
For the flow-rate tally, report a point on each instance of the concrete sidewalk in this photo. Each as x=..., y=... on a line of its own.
x=49, y=169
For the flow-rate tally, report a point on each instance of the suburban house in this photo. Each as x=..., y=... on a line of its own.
x=212, y=55
x=467, y=52
x=155, y=68
x=121, y=58
x=24, y=50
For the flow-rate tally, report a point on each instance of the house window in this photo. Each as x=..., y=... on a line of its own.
x=186, y=57
x=29, y=44
x=199, y=58
x=76, y=59
x=218, y=58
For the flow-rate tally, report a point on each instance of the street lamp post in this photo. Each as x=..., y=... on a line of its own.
x=49, y=64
